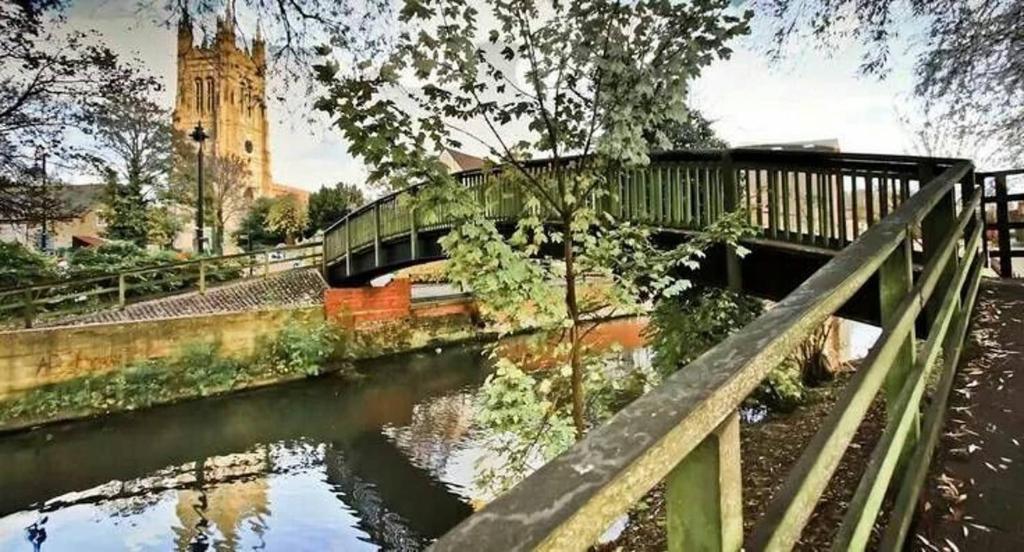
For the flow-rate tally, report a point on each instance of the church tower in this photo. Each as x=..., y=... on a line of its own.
x=223, y=86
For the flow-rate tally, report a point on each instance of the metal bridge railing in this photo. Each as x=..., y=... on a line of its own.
x=686, y=431
x=62, y=298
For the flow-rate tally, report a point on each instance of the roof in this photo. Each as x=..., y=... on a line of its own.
x=80, y=197
x=465, y=161
x=78, y=240
x=824, y=144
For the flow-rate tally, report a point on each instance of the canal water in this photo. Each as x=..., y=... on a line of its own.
x=325, y=464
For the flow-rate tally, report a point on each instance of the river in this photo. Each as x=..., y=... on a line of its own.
x=386, y=462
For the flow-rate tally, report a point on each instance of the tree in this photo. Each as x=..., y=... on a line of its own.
x=328, y=204
x=254, y=231
x=589, y=86
x=163, y=226
x=227, y=189
x=287, y=216
x=125, y=210
x=694, y=132
x=49, y=75
x=968, y=63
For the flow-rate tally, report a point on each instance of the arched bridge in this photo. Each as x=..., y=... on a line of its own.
x=807, y=205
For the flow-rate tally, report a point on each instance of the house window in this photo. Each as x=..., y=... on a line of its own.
x=199, y=95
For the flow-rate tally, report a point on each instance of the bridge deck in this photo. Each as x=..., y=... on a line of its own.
x=976, y=485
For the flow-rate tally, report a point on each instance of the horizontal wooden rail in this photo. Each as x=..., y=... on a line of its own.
x=675, y=430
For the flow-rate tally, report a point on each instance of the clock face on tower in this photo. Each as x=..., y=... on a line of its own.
x=248, y=146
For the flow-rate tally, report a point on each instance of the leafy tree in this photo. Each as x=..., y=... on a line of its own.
x=254, y=231
x=599, y=81
x=125, y=210
x=287, y=216
x=49, y=75
x=694, y=132
x=966, y=62
x=330, y=203
x=163, y=226
x=227, y=190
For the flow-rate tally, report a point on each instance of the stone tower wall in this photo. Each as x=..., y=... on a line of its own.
x=223, y=86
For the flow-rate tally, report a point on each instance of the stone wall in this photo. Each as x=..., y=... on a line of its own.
x=31, y=358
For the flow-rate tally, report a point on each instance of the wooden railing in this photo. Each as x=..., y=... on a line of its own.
x=1006, y=224
x=62, y=298
x=686, y=431
x=804, y=197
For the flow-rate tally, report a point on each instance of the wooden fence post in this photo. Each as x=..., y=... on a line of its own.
x=413, y=234
x=29, y=308
x=266, y=263
x=934, y=229
x=1003, y=227
x=348, y=247
x=202, y=277
x=895, y=280
x=734, y=274
x=703, y=495
x=121, y=289
x=376, y=234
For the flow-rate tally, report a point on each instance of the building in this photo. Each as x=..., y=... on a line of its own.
x=79, y=224
x=222, y=85
x=456, y=161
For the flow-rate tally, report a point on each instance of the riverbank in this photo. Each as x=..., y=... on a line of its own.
x=201, y=369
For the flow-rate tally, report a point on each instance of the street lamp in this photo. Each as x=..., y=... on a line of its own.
x=41, y=161
x=200, y=136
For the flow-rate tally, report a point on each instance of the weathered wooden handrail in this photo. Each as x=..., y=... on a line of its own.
x=683, y=430
x=70, y=296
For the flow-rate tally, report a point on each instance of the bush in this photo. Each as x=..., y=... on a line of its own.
x=20, y=266
x=298, y=350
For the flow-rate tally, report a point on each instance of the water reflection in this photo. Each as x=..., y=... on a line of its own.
x=386, y=463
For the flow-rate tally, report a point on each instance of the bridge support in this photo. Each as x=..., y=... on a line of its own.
x=703, y=495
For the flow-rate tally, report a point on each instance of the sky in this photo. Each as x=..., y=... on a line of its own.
x=750, y=100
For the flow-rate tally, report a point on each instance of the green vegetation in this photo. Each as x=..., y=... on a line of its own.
x=287, y=217
x=254, y=232
x=328, y=204
x=199, y=369
x=21, y=266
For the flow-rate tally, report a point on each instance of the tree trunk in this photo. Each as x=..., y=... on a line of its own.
x=578, y=393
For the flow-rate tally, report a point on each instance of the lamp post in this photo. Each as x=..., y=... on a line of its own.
x=200, y=136
x=41, y=160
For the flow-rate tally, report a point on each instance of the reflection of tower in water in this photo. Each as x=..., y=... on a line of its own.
x=229, y=490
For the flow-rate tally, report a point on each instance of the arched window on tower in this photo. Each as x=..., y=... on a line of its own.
x=209, y=93
x=199, y=95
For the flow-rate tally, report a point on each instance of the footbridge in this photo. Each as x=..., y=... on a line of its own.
x=899, y=241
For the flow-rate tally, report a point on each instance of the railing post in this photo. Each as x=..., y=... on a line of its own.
x=28, y=311
x=934, y=228
x=413, y=234
x=895, y=281
x=376, y=234
x=121, y=289
x=734, y=274
x=266, y=264
x=1003, y=227
x=703, y=496
x=202, y=277
x=348, y=247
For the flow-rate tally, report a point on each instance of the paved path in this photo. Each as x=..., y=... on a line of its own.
x=975, y=494
x=293, y=288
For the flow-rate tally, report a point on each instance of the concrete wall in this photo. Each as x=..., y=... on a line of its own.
x=31, y=358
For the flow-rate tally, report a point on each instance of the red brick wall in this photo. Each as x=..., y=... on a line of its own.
x=369, y=304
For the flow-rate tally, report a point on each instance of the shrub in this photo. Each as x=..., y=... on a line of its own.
x=20, y=266
x=298, y=349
